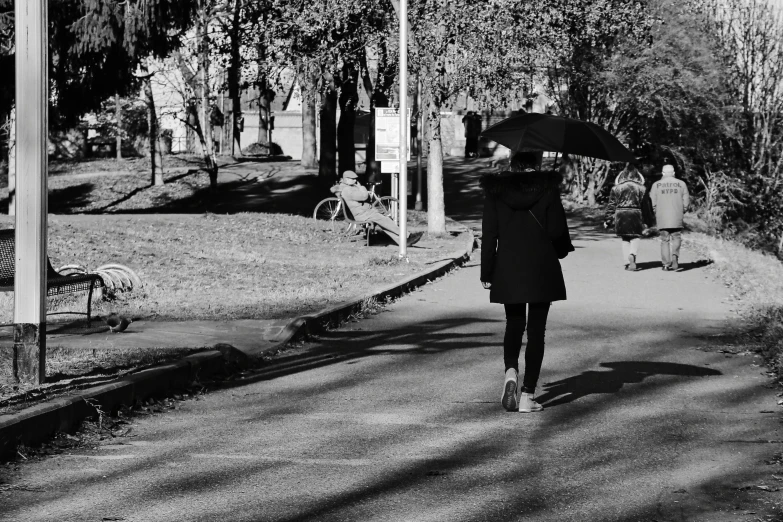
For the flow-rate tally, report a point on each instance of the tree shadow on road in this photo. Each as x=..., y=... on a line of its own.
x=341, y=346
x=621, y=373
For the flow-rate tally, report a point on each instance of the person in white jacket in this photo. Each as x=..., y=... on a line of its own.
x=670, y=200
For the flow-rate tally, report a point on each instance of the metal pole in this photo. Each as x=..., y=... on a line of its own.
x=419, y=130
x=403, y=191
x=31, y=204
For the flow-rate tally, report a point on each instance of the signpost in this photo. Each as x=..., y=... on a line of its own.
x=387, y=150
x=32, y=50
x=419, y=130
x=404, y=127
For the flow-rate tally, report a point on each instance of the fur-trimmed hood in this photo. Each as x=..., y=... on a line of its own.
x=631, y=175
x=520, y=190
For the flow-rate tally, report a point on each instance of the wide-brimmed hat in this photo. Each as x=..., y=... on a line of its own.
x=350, y=174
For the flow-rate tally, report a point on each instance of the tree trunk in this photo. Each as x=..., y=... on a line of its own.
x=307, y=87
x=195, y=129
x=156, y=160
x=265, y=95
x=309, y=148
x=327, y=162
x=265, y=115
x=207, y=138
x=227, y=134
x=436, y=210
x=349, y=99
x=12, y=162
x=230, y=125
x=118, y=120
x=227, y=130
x=590, y=191
x=371, y=168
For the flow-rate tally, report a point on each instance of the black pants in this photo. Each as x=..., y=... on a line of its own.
x=512, y=342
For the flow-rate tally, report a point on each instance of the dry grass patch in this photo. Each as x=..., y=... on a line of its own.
x=756, y=282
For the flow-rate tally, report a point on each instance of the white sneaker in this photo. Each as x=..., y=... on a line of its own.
x=527, y=404
x=509, y=398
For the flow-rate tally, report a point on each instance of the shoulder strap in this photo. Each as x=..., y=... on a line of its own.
x=537, y=221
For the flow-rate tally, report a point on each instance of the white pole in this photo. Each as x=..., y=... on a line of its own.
x=31, y=203
x=419, y=142
x=403, y=190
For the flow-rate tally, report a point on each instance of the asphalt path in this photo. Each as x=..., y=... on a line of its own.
x=397, y=417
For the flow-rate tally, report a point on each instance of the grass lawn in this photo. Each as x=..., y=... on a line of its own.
x=103, y=185
x=135, y=164
x=239, y=266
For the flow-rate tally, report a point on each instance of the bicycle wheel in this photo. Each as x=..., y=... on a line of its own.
x=384, y=205
x=328, y=210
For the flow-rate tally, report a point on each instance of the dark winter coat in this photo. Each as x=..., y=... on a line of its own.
x=625, y=204
x=518, y=253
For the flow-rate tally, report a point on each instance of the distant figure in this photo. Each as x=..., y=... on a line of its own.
x=624, y=210
x=524, y=234
x=472, y=123
x=358, y=200
x=670, y=200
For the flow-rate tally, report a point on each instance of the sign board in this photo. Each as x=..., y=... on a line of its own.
x=387, y=138
x=392, y=167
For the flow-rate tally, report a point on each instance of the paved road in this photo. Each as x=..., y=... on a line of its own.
x=397, y=418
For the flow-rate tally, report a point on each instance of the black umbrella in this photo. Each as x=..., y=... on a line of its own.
x=557, y=134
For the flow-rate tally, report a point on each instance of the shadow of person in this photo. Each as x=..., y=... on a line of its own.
x=701, y=263
x=647, y=265
x=621, y=373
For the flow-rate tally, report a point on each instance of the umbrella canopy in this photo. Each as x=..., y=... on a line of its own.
x=557, y=134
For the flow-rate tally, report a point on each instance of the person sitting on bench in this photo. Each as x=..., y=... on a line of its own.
x=358, y=200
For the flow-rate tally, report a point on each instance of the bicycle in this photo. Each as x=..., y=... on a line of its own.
x=330, y=209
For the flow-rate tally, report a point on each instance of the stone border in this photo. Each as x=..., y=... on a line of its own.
x=306, y=325
x=38, y=423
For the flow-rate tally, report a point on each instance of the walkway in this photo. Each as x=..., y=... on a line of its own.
x=397, y=417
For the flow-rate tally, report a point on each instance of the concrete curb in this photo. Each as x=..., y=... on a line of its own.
x=38, y=423
x=306, y=325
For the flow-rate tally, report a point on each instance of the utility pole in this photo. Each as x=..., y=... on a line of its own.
x=403, y=178
x=419, y=129
x=32, y=52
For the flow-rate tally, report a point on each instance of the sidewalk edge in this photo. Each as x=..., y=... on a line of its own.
x=306, y=325
x=38, y=423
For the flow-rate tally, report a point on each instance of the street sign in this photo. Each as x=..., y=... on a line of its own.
x=387, y=138
x=392, y=167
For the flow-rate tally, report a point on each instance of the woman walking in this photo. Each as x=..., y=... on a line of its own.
x=625, y=211
x=524, y=233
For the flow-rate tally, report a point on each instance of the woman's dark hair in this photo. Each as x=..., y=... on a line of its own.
x=524, y=160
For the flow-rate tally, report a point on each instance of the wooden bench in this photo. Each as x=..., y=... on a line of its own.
x=367, y=226
x=56, y=283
